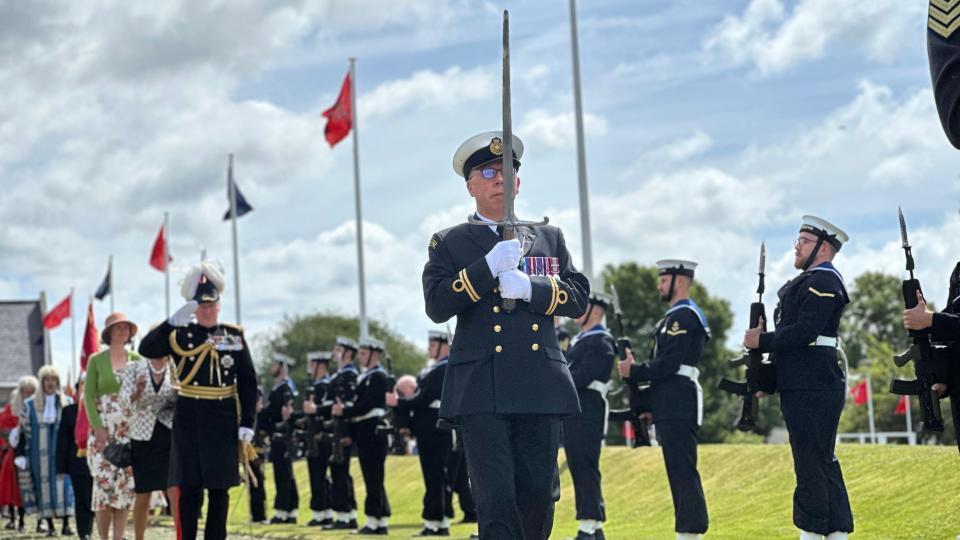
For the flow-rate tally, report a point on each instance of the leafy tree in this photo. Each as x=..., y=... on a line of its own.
x=874, y=313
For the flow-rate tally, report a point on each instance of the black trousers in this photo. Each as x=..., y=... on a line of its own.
x=582, y=440
x=287, y=497
x=820, y=502
x=258, y=494
x=459, y=482
x=512, y=461
x=342, y=498
x=191, y=499
x=83, y=495
x=678, y=438
x=319, y=485
x=434, y=450
x=372, y=451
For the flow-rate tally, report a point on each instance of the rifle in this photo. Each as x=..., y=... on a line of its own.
x=639, y=397
x=751, y=358
x=921, y=352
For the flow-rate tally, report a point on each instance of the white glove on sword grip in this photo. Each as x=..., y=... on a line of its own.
x=504, y=256
x=515, y=284
x=245, y=434
x=184, y=315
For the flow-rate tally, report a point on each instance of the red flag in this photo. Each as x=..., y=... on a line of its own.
x=91, y=345
x=339, y=117
x=159, y=248
x=859, y=393
x=902, y=405
x=56, y=315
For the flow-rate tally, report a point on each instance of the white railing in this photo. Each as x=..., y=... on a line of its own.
x=879, y=437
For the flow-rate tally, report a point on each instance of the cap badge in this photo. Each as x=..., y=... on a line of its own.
x=496, y=146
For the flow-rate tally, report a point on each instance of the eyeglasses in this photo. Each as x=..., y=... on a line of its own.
x=490, y=173
x=801, y=241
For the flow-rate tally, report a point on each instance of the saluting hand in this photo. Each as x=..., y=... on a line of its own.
x=918, y=317
x=751, y=338
x=184, y=315
x=624, y=365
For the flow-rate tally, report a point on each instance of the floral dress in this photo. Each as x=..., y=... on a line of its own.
x=112, y=486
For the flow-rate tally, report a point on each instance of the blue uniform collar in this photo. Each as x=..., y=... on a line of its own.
x=596, y=329
x=370, y=371
x=827, y=266
x=688, y=303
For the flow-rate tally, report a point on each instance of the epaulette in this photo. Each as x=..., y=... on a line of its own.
x=439, y=236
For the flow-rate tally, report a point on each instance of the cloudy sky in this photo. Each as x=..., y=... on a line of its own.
x=710, y=126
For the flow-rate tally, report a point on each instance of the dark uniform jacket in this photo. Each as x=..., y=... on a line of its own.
x=281, y=394
x=67, y=460
x=591, y=359
x=810, y=306
x=678, y=341
x=205, y=430
x=371, y=395
x=503, y=362
x=943, y=50
x=421, y=407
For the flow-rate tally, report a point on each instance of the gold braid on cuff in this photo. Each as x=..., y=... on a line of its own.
x=462, y=284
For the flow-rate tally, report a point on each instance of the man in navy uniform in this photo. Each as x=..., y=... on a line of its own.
x=342, y=498
x=279, y=409
x=364, y=415
x=507, y=384
x=216, y=402
x=433, y=444
x=809, y=378
x=318, y=455
x=676, y=398
x=590, y=356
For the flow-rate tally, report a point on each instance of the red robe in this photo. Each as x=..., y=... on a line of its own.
x=9, y=488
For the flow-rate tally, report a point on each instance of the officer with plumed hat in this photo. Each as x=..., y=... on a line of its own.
x=216, y=404
x=507, y=384
x=676, y=397
x=318, y=455
x=812, y=385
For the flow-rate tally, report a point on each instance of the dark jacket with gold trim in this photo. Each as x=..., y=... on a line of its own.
x=943, y=49
x=505, y=363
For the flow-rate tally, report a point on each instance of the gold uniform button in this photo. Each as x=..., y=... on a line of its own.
x=535, y=327
x=497, y=328
x=496, y=309
x=535, y=347
x=498, y=348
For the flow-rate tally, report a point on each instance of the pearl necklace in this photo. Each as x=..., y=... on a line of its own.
x=157, y=371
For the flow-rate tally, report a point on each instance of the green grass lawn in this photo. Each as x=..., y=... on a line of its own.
x=896, y=492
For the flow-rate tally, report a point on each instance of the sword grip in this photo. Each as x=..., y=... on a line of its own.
x=509, y=233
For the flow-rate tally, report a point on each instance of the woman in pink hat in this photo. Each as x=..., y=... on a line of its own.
x=108, y=414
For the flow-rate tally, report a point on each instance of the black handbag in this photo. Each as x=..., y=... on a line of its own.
x=119, y=454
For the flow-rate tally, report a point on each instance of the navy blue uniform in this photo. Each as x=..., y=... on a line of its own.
x=218, y=394
x=507, y=383
x=590, y=356
x=812, y=393
x=364, y=414
x=287, y=498
x=319, y=458
x=676, y=400
x=943, y=50
x=342, y=498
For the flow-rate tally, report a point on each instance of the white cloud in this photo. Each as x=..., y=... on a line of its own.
x=557, y=130
x=427, y=88
x=773, y=40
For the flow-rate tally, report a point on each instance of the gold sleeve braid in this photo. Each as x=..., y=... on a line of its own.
x=463, y=284
x=558, y=295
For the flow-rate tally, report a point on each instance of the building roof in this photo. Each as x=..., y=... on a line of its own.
x=22, y=344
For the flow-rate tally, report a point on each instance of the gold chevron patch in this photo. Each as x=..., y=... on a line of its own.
x=822, y=294
x=944, y=17
x=675, y=329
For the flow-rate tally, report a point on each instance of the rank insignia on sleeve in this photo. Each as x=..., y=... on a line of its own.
x=433, y=243
x=943, y=17
x=675, y=329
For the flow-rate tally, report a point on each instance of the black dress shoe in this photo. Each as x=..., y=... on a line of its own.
x=66, y=531
x=353, y=524
x=10, y=526
x=442, y=531
x=597, y=535
x=277, y=520
x=290, y=521
x=52, y=533
x=339, y=526
x=379, y=531
x=315, y=523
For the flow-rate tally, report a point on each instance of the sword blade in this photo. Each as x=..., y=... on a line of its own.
x=903, y=228
x=763, y=258
x=508, y=179
x=616, y=300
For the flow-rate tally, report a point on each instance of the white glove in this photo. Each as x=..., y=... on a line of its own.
x=515, y=284
x=245, y=434
x=20, y=462
x=14, y=437
x=184, y=315
x=504, y=256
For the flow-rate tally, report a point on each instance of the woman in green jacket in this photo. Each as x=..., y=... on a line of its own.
x=112, y=486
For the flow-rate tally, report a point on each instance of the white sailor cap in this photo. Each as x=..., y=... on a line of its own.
x=281, y=358
x=599, y=298
x=204, y=282
x=438, y=335
x=372, y=344
x=320, y=356
x=821, y=228
x=484, y=148
x=676, y=267
x=346, y=343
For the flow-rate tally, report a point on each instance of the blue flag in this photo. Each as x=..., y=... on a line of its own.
x=242, y=205
x=104, y=288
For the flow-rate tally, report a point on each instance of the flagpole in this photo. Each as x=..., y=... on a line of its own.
x=909, y=416
x=364, y=330
x=581, y=152
x=46, y=331
x=232, y=187
x=873, y=429
x=73, y=331
x=166, y=260
x=109, y=284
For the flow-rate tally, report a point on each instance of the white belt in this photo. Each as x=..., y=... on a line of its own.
x=824, y=341
x=435, y=404
x=373, y=413
x=601, y=387
x=689, y=372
